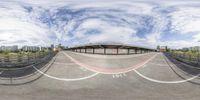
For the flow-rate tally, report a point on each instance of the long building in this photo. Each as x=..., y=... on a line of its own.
x=111, y=49
x=30, y=48
x=13, y=48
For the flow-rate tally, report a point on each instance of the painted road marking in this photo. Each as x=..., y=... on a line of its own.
x=144, y=66
x=119, y=75
x=109, y=71
x=124, y=74
x=165, y=82
x=65, y=79
x=113, y=76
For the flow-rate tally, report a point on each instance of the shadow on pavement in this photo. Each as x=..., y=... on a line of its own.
x=186, y=67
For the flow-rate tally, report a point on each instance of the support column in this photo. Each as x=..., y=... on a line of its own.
x=85, y=50
x=104, y=50
x=136, y=51
x=93, y=50
x=117, y=51
x=128, y=51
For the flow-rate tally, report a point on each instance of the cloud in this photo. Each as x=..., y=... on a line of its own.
x=145, y=22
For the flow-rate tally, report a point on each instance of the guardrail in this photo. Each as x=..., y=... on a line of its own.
x=193, y=59
x=20, y=60
x=23, y=72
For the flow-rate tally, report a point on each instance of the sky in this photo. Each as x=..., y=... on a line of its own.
x=175, y=23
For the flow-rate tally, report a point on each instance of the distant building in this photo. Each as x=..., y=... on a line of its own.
x=52, y=46
x=43, y=48
x=185, y=49
x=163, y=48
x=13, y=48
x=31, y=48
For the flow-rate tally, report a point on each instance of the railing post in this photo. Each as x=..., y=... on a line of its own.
x=198, y=60
x=28, y=57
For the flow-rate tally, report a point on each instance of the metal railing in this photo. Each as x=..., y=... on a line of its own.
x=190, y=58
x=20, y=60
x=20, y=70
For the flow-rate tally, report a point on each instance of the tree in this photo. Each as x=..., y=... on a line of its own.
x=7, y=56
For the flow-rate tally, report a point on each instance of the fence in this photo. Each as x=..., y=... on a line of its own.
x=190, y=58
x=19, y=69
x=20, y=60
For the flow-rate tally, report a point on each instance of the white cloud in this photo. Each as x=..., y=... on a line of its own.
x=107, y=32
x=17, y=28
x=186, y=20
x=115, y=21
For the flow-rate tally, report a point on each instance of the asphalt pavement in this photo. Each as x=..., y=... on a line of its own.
x=79, y=76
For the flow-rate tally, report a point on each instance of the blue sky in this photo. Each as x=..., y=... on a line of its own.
x=148, y=23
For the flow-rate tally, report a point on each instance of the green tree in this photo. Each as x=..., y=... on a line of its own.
x=7, y=56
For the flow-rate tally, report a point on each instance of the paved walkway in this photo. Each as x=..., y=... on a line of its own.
x=80, y=77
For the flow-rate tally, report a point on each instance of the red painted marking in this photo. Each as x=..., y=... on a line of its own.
x=107, y=70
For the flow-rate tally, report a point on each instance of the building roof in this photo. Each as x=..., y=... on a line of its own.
x=109, y=45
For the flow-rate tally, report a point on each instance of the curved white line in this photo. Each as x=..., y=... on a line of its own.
x=91, y=68
x=166, y=82
x=64, y=79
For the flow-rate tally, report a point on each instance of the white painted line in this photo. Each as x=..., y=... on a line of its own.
x=120, y=75
x=144, y=66
x=113, y=76
x=65, y=79
x=109, y=71
x=117, y=76
x=124, y=74
x=166, y=82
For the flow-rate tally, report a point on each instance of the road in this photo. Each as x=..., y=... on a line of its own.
x=77, y=76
